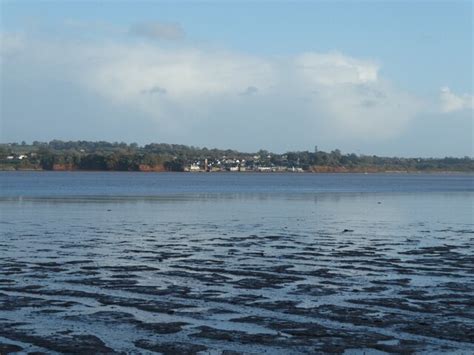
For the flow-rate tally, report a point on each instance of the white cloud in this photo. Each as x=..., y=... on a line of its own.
x=335, y=69
x=328, y=94
x=451, y=102
x=353, y=98
x=376, y=111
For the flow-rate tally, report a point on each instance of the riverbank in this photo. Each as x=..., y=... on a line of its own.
x=314, y=170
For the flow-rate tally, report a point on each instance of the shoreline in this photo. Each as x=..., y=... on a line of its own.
x=407, y=172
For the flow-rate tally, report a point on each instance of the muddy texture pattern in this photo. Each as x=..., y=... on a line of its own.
x=236, y=275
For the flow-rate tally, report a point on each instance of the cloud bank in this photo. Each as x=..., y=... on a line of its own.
x=451, y=102
x=185, y=91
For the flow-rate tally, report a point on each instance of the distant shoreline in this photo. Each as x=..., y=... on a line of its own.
x=408, y=172
x=161, y=157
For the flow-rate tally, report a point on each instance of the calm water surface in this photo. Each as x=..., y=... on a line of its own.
x=273, y=263
x=49, y=184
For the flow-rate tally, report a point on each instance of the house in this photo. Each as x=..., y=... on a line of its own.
x=194, y=167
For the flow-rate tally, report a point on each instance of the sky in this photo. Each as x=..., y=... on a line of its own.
x=388, y=77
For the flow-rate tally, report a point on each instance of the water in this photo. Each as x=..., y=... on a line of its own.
x=67, y=184
x=272, y=263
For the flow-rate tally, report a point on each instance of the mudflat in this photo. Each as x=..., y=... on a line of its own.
x=240, y=273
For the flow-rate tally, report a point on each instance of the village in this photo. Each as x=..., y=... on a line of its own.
x=238, y=165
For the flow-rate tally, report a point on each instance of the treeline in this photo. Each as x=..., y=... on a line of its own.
x=86, y=155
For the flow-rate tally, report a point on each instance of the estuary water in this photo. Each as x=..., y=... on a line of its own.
x=236, y=263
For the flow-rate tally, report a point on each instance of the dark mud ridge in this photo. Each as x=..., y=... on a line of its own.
x=199, y=289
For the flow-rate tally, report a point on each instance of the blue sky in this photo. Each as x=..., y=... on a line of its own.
x=289, y=75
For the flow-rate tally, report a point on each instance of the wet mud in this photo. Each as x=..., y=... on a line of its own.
x=232, y=287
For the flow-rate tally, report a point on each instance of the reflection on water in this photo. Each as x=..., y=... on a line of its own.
x=300, y=271
x=49, y=184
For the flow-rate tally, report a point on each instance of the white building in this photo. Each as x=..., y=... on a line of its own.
x=194, y=167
